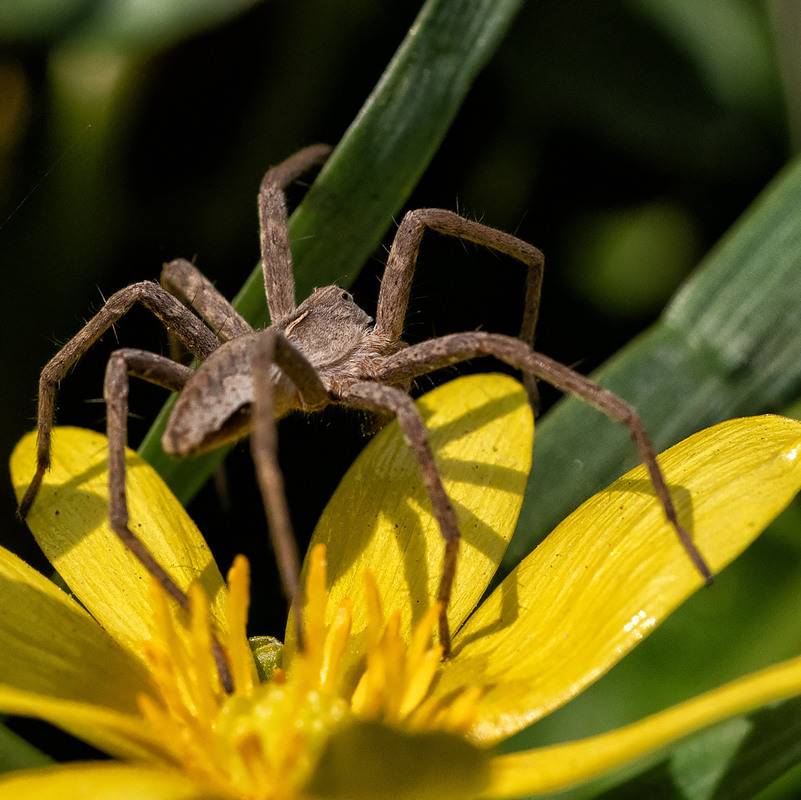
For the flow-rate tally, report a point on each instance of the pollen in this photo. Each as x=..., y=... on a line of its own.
x=262, y=741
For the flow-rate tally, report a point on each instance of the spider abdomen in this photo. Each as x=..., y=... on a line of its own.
x=215, y=405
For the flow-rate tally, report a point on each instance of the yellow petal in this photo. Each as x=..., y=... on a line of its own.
x=614, y=570
x=549, y=769
x=99, y=781
x=380, y=518
x=58, y=664
x=116, y=734
x=70, y=522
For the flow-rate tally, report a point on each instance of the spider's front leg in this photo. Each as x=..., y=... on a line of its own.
x=163, y=372
x=175, y=317
x=170, y=375
x=192, y=287
x=377, y=397
x=271, y=349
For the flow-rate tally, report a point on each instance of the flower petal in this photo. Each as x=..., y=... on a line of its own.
x=117, y=734
x=99, y=781
x=58, y=664
x=380, y=518
x=613, y=570
x=549, y=769
x=69, y=519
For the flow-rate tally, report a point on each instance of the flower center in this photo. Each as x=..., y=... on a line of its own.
x=263, y=740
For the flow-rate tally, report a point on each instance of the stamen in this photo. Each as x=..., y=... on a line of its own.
x=203, y=680
x=461, y=711
x=419, y=681
x=423, y=717
x=189, y=701
x=239, y=654
x=423, y=633
x=251, y=754
x=167, y=662
x=262, y=741
x=314, y=616
x=396, y=683
x=335, y=644
x=392, y=652
x=375, y=616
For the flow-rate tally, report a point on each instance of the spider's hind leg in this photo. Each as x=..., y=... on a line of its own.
x=451, y=349
x=396, y=284
x=276, y=257
x=380, y=398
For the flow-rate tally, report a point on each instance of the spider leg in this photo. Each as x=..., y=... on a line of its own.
x=276, y=257
x=273, y=349
x=393, y=298
x=446, y=350
x=170, y=375
x=178, y=319
x=191, y=286
x=378, y=397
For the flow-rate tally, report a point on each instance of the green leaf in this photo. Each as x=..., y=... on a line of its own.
x=154, y=23
x=268, y=654
x=374, y=168
x=38, y=19
x=728, y=42
x=727, y=345
x=16, y=753
x=136, y=23
x=731, y=761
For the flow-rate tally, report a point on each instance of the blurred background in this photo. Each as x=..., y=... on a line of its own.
x=621, y=137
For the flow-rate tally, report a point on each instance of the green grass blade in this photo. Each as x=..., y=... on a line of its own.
x=727, y=345
x=16, y=753
x=351, y=205
x=734, y=760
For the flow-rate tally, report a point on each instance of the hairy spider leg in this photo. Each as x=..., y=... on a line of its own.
x=447, y=350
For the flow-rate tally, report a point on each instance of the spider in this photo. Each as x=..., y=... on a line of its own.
x=325, y=350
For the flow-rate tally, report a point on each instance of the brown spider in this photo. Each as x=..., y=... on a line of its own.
x=325, y=350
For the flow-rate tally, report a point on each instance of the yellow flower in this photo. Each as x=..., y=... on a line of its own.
x=368, y=709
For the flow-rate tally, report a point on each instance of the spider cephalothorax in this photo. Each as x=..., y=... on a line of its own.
x=325, y=350
x=216, y=404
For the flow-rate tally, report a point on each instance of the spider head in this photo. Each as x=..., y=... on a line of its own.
x=327, y=326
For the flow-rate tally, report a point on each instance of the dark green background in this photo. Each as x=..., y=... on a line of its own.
x=622, y=138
